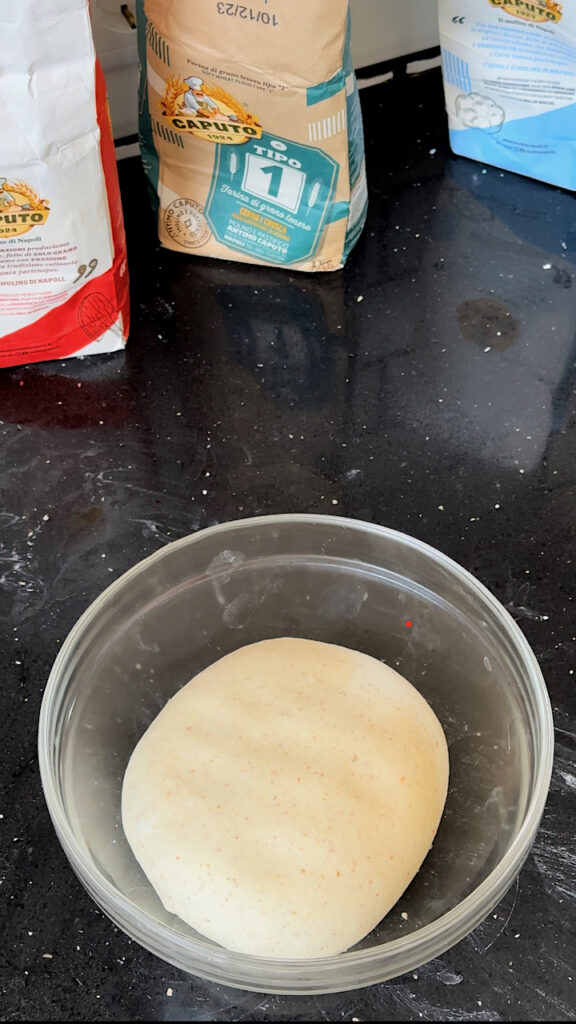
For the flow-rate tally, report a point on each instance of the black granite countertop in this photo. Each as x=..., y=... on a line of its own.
x=430, y=387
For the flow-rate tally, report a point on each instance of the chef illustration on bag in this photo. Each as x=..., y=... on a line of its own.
x=196, y=100
x=6, y=197
x=17, y=193
x=21, y=208
x=207, y=110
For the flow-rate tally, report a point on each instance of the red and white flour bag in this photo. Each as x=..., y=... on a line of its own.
x=63, y=271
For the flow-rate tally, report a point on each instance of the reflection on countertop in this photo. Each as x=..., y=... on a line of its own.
x=430, y=387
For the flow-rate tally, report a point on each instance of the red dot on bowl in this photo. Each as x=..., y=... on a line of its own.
x=408, y=624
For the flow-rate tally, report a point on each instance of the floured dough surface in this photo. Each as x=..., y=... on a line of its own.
x=283, y=800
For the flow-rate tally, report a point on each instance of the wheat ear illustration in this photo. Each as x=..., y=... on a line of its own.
x=234, y=164
x=175, y=88
x=34, y=200
x=313, y=195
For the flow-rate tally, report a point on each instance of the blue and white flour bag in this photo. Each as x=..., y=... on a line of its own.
x=251, y=129
x=509, y=71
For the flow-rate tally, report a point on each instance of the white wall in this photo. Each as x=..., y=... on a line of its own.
x=381, y=29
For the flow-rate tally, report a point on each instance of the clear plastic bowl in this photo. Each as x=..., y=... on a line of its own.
x=326, y=578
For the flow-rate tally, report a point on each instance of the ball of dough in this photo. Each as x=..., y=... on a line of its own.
x=283, y=800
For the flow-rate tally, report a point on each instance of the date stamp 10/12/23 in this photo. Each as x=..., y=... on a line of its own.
x=247, y=13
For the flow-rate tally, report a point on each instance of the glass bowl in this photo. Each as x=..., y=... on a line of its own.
x=326, y=578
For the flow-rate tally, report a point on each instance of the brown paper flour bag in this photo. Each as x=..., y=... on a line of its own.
x=251, y=129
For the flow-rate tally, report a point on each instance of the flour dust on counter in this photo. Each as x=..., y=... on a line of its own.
x=381, y=444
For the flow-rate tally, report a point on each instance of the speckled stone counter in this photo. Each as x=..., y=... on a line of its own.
x=429, y=387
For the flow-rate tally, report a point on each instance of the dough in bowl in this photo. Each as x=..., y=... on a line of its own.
x=282, y=800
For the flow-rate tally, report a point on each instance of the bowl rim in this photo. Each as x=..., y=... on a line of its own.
x=197, y=956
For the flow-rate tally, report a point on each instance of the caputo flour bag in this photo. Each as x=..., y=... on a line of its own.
x=251, y=129
x=63, y=272
x=510, y=83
